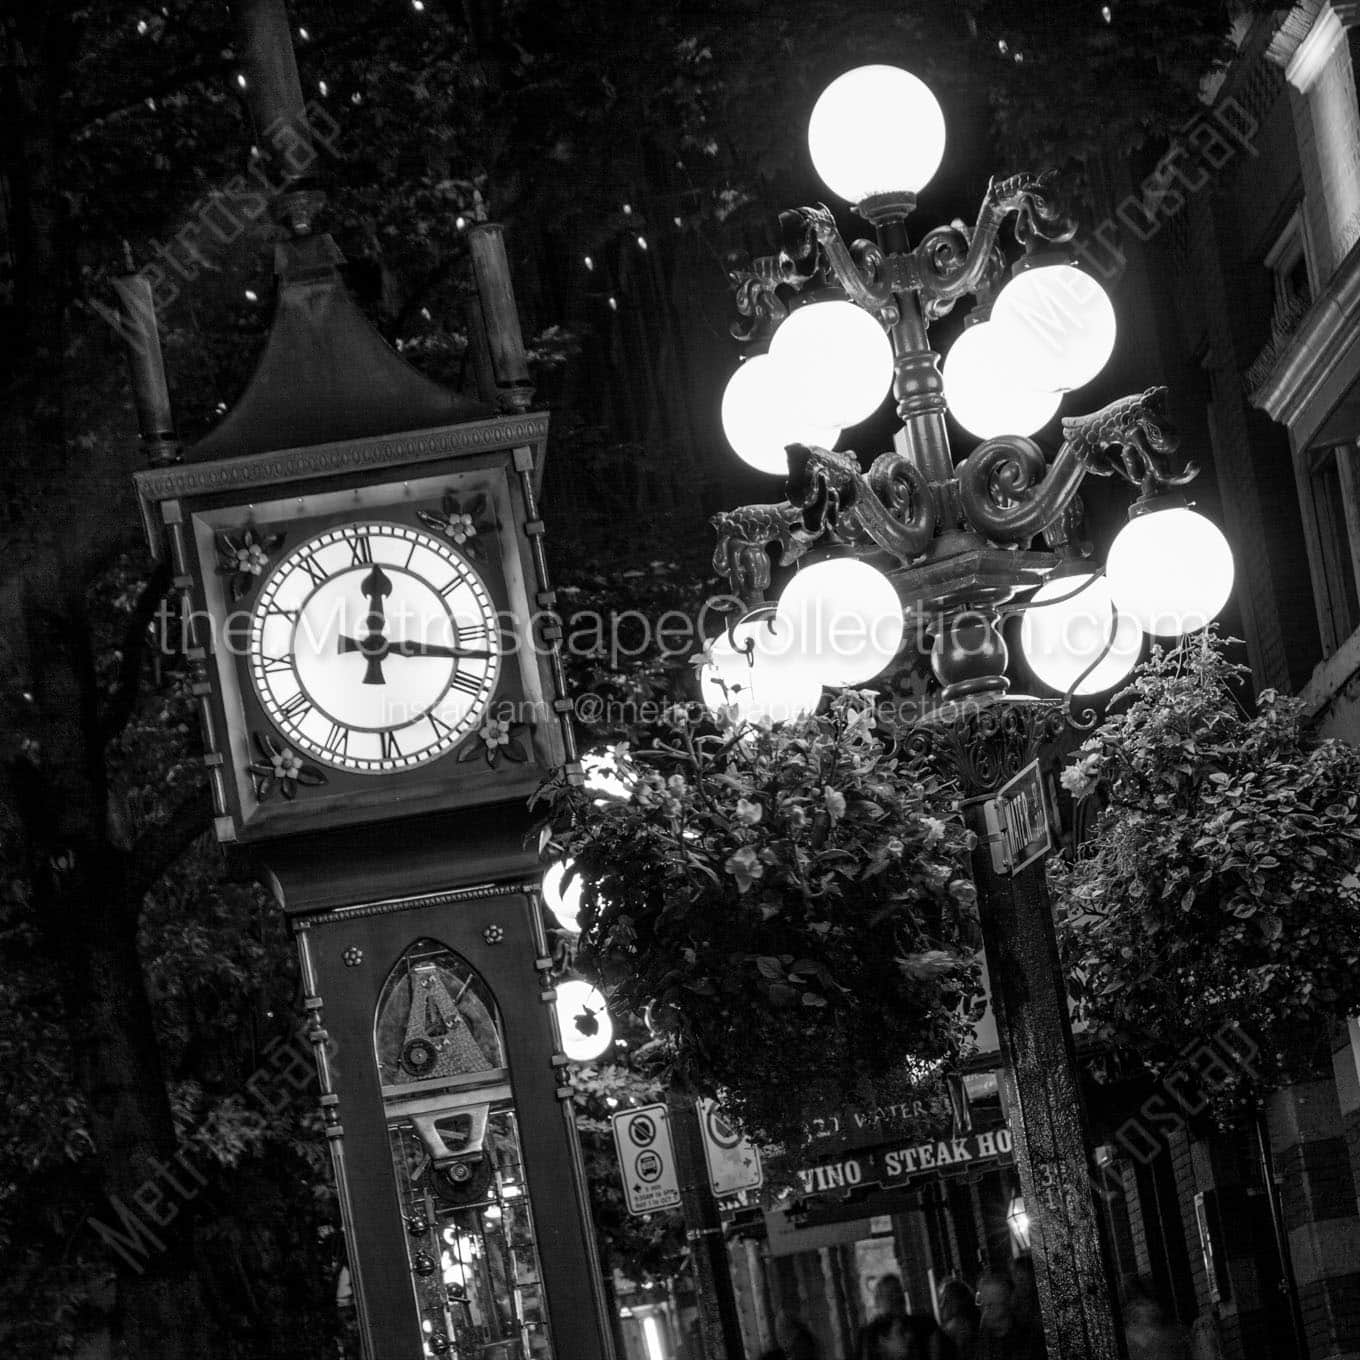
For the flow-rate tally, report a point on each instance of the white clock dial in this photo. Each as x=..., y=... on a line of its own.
x=374, y=647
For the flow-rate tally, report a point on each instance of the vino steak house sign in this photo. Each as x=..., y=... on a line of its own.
x=891, y=1166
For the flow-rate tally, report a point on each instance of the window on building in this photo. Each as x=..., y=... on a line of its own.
x=1333, y=487
x=1287, y=261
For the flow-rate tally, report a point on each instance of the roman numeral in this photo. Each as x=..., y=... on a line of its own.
x=313, y=570
x=441, y=729
x=274, y=665
x=296, y=707
x=337, y=740
x=469, y=633
x=361, y=549
x=390, y=749
x=469, y=684
x=458, y=583
x=286, y=613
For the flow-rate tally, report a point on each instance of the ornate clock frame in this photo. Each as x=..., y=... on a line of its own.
x=266, y=504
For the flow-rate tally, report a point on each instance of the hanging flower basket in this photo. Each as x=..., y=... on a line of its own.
x=1216, y=903
x=790, y=908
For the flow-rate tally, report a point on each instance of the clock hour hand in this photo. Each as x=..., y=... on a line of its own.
x=434, y=649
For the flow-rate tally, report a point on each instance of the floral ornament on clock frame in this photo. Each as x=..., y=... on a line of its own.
x=496, y=739
x=281, y=768
x=243, y=557
x=462, y=519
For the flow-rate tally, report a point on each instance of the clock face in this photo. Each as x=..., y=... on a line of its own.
x=374, y=647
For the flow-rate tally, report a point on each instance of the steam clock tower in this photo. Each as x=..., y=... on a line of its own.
x=360, y=552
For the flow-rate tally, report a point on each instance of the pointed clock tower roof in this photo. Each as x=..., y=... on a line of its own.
x=326, y=375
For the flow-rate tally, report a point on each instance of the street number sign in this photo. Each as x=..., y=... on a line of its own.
x=642, y=1138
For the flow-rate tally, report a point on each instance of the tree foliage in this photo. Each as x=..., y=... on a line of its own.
x=1220, y=886
x=789, y=906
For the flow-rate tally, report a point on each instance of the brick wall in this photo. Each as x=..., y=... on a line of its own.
x=1317, y=1187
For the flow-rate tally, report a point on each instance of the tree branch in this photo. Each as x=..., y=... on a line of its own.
x=157, y=848
x=124, y=701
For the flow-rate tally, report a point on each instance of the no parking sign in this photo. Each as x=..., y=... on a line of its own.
x=642, y=1138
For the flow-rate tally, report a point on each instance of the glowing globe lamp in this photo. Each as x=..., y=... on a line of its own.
x=837, y=362
x=761, y=416
x=583, y=1020
x=847, y=619
x=562, y=896
x=981, y=390
x=1062, y=324
x=604, y=776
x=770, y=681
x=1170, y=568
x=876, y=130
x=1061, y=640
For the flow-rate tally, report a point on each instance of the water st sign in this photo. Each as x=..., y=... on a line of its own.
x=642, y=1138
x=1017, y=822
x=733, y=1164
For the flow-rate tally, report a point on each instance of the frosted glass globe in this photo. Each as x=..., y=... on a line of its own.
x=563, y=899
x=980, y=386
x=583, y=1020
x=876, y=130
x=846, y=617
x=773, y=682
x=1172, y=570
x=1061, y=640
x=837, y=361
x=761, y=416
x=1064, y=325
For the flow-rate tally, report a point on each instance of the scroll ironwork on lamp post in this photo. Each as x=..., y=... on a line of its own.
x=953, y=548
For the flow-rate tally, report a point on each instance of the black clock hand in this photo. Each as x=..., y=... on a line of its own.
x=434, y=649
x=374, y=646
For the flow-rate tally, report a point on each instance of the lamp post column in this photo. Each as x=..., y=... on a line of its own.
x=988, y=744
x=714, y=1295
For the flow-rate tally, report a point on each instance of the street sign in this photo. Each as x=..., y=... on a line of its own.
x=1017, y=822
x=642, y=1138
x=733, y=1163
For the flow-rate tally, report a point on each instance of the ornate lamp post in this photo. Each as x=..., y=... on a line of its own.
x=951, y=549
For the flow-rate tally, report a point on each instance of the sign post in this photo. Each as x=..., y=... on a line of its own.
x=719, y=1319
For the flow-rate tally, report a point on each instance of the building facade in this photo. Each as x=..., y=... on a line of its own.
x=1247, y=245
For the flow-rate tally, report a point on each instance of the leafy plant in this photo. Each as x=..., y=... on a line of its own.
x=1220, y=885
x=789, y=907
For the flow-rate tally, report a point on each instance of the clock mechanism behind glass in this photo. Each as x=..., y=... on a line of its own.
x=456, y=1152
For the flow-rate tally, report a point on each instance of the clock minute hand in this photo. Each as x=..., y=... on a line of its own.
x=375, y=586
x=434, y=649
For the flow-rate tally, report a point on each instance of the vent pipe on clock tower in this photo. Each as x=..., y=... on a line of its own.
x=283, y=135
x=496, y=310
x=136, y=324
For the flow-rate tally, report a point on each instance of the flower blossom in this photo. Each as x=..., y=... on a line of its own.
x=745, y=866
x=748, y=813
